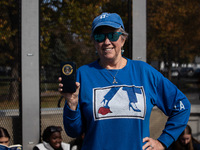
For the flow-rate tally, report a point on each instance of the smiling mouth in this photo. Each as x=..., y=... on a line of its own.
x=107, y=49
x=58, y=145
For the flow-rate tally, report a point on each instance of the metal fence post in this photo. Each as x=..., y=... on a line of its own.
x=30, y=73
x=139, y=30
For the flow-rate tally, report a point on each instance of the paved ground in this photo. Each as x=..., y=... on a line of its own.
x=157, y=123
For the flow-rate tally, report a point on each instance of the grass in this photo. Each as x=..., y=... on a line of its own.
x=51, y=102
x=50, y=96
x=46, y=102
x=4, y=87
x=9, y=105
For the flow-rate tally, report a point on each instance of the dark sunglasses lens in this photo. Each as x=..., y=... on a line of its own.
x=113, y=36
x=99, y=37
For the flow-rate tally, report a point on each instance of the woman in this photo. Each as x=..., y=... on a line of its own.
x=186, y=141
x=115, y=95
x=52, y=140
x=4, y=137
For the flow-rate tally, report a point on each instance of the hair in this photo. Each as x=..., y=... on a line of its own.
x=124, y=33
x=4, y=133
x=49, y=131
x=189, y=146
x=187, y=130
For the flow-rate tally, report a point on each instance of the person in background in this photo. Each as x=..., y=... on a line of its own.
x=76, y=144
x=4, y=137
x=52, y=140
x=185, y=141
x=115, y=96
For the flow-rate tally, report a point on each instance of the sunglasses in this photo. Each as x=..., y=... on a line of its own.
x=112, y=36
x=55, y=129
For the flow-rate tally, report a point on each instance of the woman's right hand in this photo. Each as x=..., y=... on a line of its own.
x=72, y=98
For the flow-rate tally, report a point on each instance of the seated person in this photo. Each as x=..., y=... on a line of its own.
x=52, y=140
x=77, y=143
x=185, y=141
x=4, y=137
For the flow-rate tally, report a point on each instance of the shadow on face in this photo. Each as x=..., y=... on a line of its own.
x=4, y=141
x=55, y=140
x=185, y=139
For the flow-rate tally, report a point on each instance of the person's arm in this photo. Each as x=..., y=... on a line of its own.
x=72, y=114
x=176, y=106
x=72, y=121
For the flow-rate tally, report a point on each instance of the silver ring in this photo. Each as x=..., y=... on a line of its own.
x=151, y=146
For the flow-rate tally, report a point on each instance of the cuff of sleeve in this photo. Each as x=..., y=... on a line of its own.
x=166, y=139
x=71, y=114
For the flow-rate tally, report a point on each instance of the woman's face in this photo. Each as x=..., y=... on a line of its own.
x=185, y=139
x=4, y=141
x=55, y=140
x=107, y=49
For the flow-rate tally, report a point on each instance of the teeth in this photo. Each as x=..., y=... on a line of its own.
x=108, y=49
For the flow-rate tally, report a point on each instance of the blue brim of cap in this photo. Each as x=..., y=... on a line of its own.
x=110, y=24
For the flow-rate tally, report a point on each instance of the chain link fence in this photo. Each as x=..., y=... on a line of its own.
x=184, y=74
x=52, y=102
x=10, y=102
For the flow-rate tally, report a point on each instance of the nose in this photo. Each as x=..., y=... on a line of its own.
x=107, y=41
x=185, y=142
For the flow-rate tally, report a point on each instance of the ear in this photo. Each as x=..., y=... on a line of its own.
x=122, y=42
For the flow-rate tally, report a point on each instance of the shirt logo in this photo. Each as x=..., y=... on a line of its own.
x=119, y=102
x=179, y=106
x=103, y=16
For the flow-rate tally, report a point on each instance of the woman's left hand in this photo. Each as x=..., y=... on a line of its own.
x=152, y=144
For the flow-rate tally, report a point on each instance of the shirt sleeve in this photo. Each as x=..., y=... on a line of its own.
x=176, y=106
x=72, y=121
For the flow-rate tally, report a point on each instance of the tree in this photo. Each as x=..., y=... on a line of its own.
x=173, y=30
x=9, y=42
x=65, y=30
x=71, y=21
x=120, y=7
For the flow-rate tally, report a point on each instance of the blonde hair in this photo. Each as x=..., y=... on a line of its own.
x=124, y=33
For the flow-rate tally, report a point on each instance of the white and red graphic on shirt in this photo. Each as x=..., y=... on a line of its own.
x=119, y=102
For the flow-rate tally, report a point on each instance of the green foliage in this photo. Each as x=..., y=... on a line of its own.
x=173, y=30
x=67, y=23
x=9, y=29
x=10, y=42
x=120, y=7
x=65, y=28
